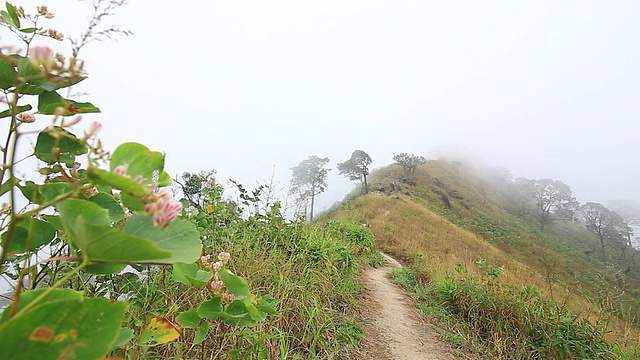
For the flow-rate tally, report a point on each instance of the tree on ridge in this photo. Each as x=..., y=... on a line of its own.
x=356, y=168
x=309, y=179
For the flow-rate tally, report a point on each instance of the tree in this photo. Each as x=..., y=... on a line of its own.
x=310, y=179
x=196, y=187
x=356, y=168
x=409, y=162
x=551, y=196
x=606, y=224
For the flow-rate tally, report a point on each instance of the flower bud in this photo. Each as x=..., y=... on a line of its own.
x=26, y=118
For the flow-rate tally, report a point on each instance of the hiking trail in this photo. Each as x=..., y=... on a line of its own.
x=394, y=328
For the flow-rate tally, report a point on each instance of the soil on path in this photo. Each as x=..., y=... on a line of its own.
x=394, y=328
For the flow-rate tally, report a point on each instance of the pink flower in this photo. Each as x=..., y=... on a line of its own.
x=224, y=257
x=26, y=117
x=94, y=128
x=55, y=34
x=121, y=170
x=216, y=266
x=42, y=55
x=163, y=212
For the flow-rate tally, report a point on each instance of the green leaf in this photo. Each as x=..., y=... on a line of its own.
x=253, y=311
x=124, y=336
x=90, y=228
x=17, y=110
x=181, y=237
x=189, y=275
x=265, y=304
x=211, y=309
x=11, y=182
x=12, y=13
x=189, y=319
x=56, y=144
x=49, y=101
x=26, y=69
x=235, y=284
x=63, y=325
x=164, y=179
x=54, y=220
x=140, y=161
x=102, y=177
x=132, y=203
x=29, y=235
x=7, y=74
x=104, y=268
x=107, y=201
x=28, y=30
x=201, y=332
x=236, y=314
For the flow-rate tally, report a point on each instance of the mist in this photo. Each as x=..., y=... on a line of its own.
x=545, y=89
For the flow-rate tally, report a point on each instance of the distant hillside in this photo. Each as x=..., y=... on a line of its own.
x=453, y=221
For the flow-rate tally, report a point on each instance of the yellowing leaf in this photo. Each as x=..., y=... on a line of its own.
x=160, y=331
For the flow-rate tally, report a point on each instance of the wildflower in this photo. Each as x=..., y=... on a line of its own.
x=91, y=192
x=205, y=258
x=94, y=128
x=163, y=212
x=121, y=170
x=216, y=266
x=226, y=297
x=42, y=56
x=20, y=11
x=26, y=118
x=54, y=34
x=224, y=257
x=216, y=286
x=140, y=179
x=42, y=10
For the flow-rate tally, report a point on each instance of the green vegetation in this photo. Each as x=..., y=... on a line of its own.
x=481, y=268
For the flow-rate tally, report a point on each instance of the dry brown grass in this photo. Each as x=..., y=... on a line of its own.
x=405, y=226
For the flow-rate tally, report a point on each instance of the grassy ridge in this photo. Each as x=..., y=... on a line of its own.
x=472, y=256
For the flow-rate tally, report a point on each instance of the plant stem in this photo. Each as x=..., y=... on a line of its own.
x=58, y=283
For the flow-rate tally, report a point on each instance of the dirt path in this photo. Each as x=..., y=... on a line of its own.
x=394, y=329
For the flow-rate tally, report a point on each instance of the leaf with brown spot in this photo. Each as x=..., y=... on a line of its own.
x=160, y=331
x=42, y=334
x=62, y=325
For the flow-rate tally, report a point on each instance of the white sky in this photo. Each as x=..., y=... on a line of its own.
x=542, y=88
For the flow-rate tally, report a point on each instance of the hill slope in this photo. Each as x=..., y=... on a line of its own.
x=460, y=227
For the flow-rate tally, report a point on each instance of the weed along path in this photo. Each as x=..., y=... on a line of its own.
x=394, y=329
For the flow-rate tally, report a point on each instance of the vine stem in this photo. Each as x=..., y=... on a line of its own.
x=58, y=283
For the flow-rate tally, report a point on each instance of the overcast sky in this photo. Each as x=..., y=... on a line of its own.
x=542, y=88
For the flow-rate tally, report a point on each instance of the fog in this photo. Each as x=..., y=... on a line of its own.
x=543, y=89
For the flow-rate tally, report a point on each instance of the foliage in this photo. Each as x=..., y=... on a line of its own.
x=310, y=179
x=356, y=168
x=484, y=222
x=311, y=272
x=90, y=222
x=409, y=162
x=550, y=196
x=516, y=323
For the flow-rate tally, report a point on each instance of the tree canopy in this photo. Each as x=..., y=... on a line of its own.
x=551, y=196
x=606, y=224
x=310, y=179
x=356, y=168
x=409, y=162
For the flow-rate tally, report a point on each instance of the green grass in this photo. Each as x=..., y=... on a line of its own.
x=311, y=271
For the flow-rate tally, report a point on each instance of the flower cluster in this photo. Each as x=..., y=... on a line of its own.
x=159, y=205
x=216, y=286
x=164, y=210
